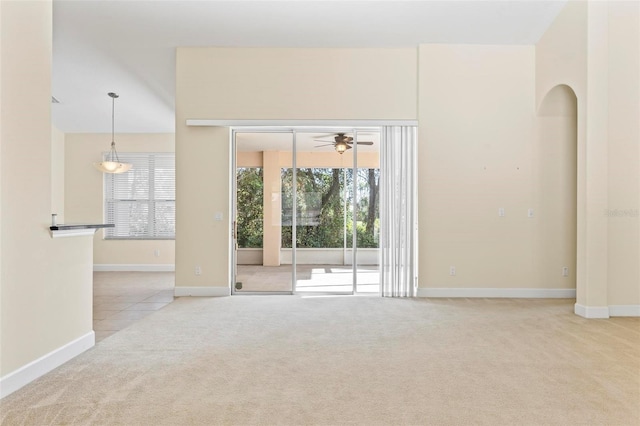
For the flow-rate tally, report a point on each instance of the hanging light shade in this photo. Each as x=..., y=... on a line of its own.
x=113, y=164
x=341, y=147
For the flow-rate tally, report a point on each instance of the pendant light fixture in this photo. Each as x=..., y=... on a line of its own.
x=112, y=164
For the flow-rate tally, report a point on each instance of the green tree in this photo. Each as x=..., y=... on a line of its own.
x=250, y=220
x=321, y=196
x=321, y=207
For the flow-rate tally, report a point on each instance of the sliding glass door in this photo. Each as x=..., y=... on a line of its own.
x=367, y=211
x=321, y=229
x=319, y=208
x=259, y=266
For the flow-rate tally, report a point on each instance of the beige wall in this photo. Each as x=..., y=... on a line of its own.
x=561, y=58
x=561, y=53
x=57, y=173
x=45, y=283
x=226, y=83
x=2, y=318
x=475, y=140
x=593, y=48
x=479, y=146
x=202, y=191
x=624, y=153
x=554, y=157
x=246, y=83
x=84, y=194
x=249, y=159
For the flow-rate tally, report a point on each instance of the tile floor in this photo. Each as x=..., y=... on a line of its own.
x=122, y=298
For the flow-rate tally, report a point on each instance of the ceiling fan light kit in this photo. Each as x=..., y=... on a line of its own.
x=343, y=142
x=113, y=164
x=341, y=147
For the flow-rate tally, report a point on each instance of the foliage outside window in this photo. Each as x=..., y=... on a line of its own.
x=323, y=194
x=368, y=211
x=250, y=223
x=141, y=202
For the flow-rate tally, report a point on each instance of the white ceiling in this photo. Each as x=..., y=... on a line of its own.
x=128, y=47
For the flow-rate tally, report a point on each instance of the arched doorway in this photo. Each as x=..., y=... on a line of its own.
x=557, y=174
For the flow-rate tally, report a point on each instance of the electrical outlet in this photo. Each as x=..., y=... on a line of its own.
x=530, y=213
x=198, y=270
x=565, y=271
x=452, y=270
x=156, y=252
x=501, y=212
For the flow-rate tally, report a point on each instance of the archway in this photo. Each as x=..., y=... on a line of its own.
x=557, y=180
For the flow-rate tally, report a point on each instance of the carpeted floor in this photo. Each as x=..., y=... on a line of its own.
x=348, y=360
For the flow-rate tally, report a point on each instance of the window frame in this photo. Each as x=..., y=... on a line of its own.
x=111, y=200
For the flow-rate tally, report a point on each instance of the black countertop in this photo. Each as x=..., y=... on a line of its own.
x=81, y=226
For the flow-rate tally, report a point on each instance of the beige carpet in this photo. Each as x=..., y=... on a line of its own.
x=348, y=360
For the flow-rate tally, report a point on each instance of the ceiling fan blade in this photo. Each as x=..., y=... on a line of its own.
x=324, y=136
x=362, y=143
x=327, y=144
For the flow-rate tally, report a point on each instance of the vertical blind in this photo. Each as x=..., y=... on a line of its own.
x=142, y=202
x=398, y=212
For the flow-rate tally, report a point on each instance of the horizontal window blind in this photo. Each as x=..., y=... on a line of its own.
x=142, y=202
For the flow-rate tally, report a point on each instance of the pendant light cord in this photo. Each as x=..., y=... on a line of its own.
x=111, y=162
x=113, y=118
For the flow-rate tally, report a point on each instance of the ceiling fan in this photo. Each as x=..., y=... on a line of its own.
x=342, y=142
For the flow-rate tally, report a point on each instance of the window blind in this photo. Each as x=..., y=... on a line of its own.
x=142, y=202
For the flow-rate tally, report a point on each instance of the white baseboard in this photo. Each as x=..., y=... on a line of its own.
x=607, y=311
x=202, y=291
x=41, y=366
x=624, y=310
x=126, y=267
x=516, y=293
x=591, y=311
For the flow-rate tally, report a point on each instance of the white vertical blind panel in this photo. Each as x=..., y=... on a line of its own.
x=398, y=211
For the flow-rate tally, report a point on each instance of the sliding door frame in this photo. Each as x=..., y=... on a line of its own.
x=293, y=130
x=234, y=208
